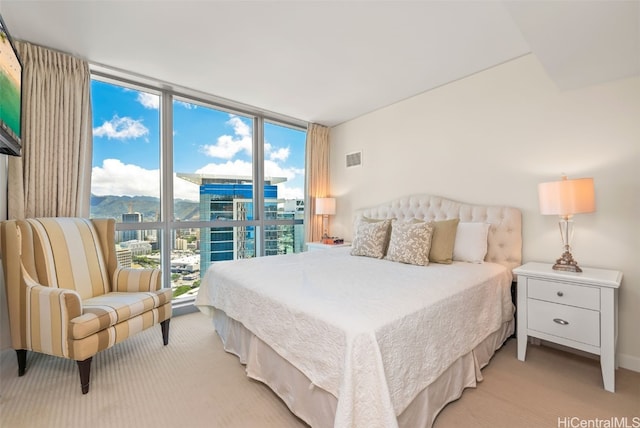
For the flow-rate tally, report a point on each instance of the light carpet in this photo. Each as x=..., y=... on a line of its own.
x=191, y=382
x=194, y=383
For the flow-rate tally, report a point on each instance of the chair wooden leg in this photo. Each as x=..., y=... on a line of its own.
x=85, y=373
x=22, y=361
x=165, y=331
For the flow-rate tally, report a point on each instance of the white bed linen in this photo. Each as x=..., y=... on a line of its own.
x=317, y=407
x=371, y=332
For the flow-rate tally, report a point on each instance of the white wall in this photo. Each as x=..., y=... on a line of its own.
x=490, y=139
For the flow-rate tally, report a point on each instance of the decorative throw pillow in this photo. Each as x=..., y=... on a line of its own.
x=443, y=240
x=471, y=242
x=363, y=219
x=410, y=242
x=373, y=220
x=371, y=239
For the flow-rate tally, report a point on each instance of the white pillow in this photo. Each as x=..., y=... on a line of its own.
x=471, y=242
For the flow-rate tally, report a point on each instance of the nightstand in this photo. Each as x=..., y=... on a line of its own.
x=314, y=246
x=574, y=309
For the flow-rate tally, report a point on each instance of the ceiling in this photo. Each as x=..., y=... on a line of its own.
x=331, y=61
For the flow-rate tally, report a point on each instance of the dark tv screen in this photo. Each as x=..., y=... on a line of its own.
x=10, y=95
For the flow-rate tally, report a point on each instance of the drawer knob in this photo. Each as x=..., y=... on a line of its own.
x=560, y=321
x=560, y=293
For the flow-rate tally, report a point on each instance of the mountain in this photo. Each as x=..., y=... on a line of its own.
x=149, y=207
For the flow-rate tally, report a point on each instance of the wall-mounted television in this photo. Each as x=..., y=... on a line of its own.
x=10, y=95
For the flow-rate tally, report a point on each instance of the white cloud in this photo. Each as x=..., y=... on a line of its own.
x=185, y=190
x=121, y=128
x=240, y=128
x=149, y=101
x=119, y=179
x=272, y=169
x=228, y=146
x=282, y=154
x=186, y=105
x=285, y=192
x=245, y=169
x=237, y=167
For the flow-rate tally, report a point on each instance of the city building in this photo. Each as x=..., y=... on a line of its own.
x=124, y=257
x=292, y=209
x=130, y=235
x=231, y=198
x=137, y=248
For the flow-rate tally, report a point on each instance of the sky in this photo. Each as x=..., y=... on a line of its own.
x=126, y=145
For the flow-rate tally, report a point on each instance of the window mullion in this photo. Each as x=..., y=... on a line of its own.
x=166, y=182
x=258, y=181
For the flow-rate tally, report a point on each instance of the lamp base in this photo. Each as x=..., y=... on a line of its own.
x=567, y=263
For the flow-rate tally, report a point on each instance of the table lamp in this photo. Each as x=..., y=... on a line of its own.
x=325, y=207
x=566, y=198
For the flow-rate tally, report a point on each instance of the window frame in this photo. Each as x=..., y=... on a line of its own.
x=167, y=223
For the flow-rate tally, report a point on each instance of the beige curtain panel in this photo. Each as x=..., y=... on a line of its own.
x=317, y=178
x=52, y=178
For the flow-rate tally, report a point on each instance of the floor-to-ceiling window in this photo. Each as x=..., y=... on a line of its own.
x=192, y=182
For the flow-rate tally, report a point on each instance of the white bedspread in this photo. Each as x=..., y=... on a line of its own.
x=373, y=333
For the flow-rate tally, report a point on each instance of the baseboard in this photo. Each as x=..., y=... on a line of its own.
x=629, y=362
x=625, y=361
x=184, y=308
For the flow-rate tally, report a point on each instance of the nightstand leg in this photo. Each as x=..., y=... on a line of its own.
x=608, y=338
x=522, y=317
x=522, y=347
x=608, y=372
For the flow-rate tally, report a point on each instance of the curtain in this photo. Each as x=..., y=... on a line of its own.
x=53, y=176
x=317, y=178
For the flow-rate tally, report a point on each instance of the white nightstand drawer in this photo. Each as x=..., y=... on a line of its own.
x=585, y=312
x=577, y=324
x=566, y=294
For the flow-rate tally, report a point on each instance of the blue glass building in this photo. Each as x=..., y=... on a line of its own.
x=231, y=198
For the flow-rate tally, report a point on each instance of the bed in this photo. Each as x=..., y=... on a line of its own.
x=359, y=341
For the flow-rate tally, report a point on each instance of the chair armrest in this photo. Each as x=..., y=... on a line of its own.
x=136, y=280
x=65, y=302
x=58, y=306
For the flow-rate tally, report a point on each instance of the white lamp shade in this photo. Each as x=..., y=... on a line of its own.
x=325, y=206
x=567, y=197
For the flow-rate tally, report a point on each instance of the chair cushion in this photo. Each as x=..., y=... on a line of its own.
x=68, y=250
x=110, y=309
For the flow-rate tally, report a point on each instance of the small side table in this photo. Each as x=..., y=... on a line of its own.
x=314, y=246
x=574, y=309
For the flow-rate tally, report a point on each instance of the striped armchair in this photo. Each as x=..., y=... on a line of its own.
x=66, y=294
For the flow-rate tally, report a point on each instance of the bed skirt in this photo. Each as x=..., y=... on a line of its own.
x=317, y=407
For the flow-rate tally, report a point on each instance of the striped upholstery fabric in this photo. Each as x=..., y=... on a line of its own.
x=136, y=279
x=48, y=313
x=66, y=294
x=85, y=348
x=110, y=309
x=68, y=249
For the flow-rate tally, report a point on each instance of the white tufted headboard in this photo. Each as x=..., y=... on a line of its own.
x=505, y=233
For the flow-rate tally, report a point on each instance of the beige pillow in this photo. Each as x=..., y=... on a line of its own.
x=443, y=240
x=363, y=219
x=372, y=220
x=371, y=239
x=410, y=242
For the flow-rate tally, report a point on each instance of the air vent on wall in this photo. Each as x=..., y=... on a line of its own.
x=354, y=159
